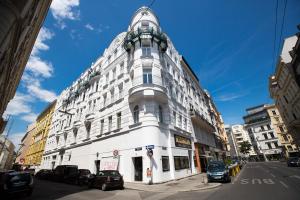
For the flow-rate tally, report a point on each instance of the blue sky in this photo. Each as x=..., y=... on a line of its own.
x=229, y=44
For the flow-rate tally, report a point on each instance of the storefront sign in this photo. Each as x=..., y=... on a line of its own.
x=182, y=142
x=109, y=163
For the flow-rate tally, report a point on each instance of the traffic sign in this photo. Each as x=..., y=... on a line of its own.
x=150, y=147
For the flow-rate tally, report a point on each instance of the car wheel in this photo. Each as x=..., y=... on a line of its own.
x=104, y=187
x=122, y=187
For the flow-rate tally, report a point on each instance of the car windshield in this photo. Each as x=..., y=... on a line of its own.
x=110, y=173
x=20, y=177
x=216, y=167
x=84, y=171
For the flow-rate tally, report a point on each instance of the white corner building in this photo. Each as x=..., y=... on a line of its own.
x=140, y=94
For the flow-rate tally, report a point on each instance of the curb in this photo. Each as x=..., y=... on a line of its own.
x=188, y=190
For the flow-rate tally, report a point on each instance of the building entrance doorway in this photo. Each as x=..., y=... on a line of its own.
x=138, y=168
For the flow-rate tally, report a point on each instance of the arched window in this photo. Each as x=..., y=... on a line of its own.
x=136, y=113
x=160, y=114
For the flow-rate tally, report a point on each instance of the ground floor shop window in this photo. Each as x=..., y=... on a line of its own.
x=165, y=163
x=181, y=162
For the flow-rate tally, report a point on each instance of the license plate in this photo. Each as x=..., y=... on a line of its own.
x=19, y=184
x=217, y=177
x=116, y=179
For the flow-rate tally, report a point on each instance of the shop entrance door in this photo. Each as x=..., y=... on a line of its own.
x=138, y=168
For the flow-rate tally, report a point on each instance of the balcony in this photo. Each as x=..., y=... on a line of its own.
x=94, y=76
x=140, y=33
x=150, y=89
x=199, y=120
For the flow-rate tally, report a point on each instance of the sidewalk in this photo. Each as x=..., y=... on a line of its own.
x=192, y=183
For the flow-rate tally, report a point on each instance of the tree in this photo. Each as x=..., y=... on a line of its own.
x=245, y=147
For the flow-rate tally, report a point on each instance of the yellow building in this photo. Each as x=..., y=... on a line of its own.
x=286, y=139
x=38, y=141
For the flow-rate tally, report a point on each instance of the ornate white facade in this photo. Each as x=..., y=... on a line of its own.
x=139, y=93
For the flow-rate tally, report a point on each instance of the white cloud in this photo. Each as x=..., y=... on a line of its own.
x=44, y=35
x=30, y=117
x=37, y=91
x=89, y=26
x=64, y=9
x=16, y=139
x=230, y=96
x=40, y=67
x=35, y=63
x=19, y=105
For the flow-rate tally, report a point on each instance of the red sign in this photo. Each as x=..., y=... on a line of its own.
x=22, y=160
x=115, y=153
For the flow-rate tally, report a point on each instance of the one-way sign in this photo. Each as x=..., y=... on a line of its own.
x=150, y=147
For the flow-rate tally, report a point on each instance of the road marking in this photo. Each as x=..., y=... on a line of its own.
x=273, y=175
x=295, y=176
x=255, y=181
x=285, y=185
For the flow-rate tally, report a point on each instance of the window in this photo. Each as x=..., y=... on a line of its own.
x=268, y=126
x=269, y=145
x=276, y=144
x=285, y=99
x=266, y=136
x=121, y=67
x=109, y=123
x=136, y=113
x=102, y=126
x=165, y=163
x=285, y=138
x=88, y=129
x=295, y=117
x=174, y=118
x=119, y=120
x=271, y=134
x=108, y=59
x=114, y=73
x=107, y=78
x=147, y=76
x=290, y=148
x=83, y=97
x=145, y=24
x=281, y=129
x=250, y=130
x=115, y=53
x=146, y=49
x=160, y=114
x=75, y=130
x=65, y=138
x=181, y=162
x=274, y=112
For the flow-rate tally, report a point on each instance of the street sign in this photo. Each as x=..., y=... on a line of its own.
x=150, y=147
x=115, y=153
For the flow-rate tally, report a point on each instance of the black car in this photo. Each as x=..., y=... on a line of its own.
x=107, y=179
x=83, y=176
x=218, y=171
x=12, y=183
x=45, y=174
x=293, y=162
x=65, y=173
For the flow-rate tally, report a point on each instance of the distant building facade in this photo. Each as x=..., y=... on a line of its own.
x=231, y=140
x=20, y=24
x=262, y=133
x=6, y=153
x=288, y=147
x=284, y=87
x=39, y=137
x=139, y=107
x=240, y=135
x=25, y=143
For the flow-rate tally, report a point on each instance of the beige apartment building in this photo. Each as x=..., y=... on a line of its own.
x=25, y=143
x=288, y=148
x=284, y=88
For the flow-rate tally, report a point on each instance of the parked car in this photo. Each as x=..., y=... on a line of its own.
x=217, y=171
x=107, y=179
x=83, y=176
x=45, y=174
x=13, y=183
x=65, y=173
x=293, y=162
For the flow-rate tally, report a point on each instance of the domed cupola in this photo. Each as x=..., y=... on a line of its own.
x=145, y=25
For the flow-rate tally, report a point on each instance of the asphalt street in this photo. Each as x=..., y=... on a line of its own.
x=269, y=180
